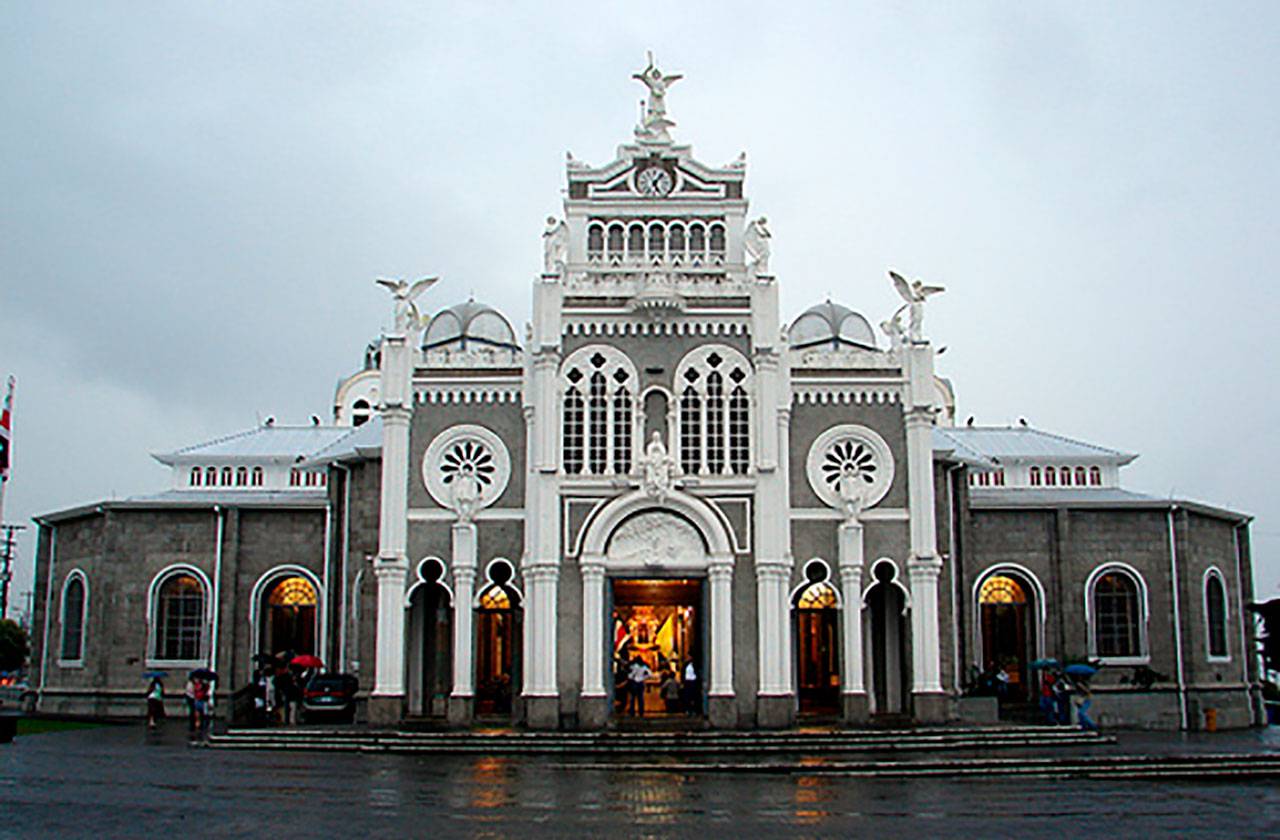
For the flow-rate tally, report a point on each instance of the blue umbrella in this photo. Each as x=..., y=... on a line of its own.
x=1080, y=670
x=154, y=675
x=204, y=674
x=1048, y=662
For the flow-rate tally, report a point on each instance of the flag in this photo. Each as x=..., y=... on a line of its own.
x=6, y=425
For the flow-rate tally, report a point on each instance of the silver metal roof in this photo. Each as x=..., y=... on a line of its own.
x=265, y=443
x=1099, y=498
x=198, y=500
x=364, y=441
x=1009, y=444
x=830, y=323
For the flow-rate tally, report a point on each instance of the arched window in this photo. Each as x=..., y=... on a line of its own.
x=257, y=476
x=615, y=240
x=715, y=423
x=697, y=239
x=1215, y=610
x=210, y=477
x=573, y=430
x=360, y=412
x=1050, y=477
x=595, y=240
x=998, y=478
x=1080, y=477
x=675, y=239
x=691, y=430
x=1035, y=476
x=1065, y=475
x=242, y=476
x=288, y=616
x=195, y=477
x=717, y=239
x=1095, y=477
x=74, y=597
x=1117, y=615
x=295, y=477
x=179, y=615
x=635, y=241
x=599, y=411
x=715, y=433
x=226, y=476
x=657, y=238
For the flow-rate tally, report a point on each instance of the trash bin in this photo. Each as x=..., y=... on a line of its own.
x=1210, y=720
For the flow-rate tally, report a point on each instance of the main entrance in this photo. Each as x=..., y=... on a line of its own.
x=1007, y=619
x=656, y=628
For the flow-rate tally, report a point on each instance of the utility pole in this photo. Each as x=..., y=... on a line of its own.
x=6, y=563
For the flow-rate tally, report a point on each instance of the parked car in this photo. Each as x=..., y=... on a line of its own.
x=330, y=696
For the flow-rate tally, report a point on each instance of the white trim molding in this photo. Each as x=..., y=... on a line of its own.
x=153, y=592
x=75, y=574
x=1215, y=572
x=270, y=576
x=1013, y=570
x=1144, y=651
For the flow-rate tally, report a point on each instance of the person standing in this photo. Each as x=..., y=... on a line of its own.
x=189, y=697
x=637, y=677
x=155, y=703
x=201, y=693
x=690, y=689
x=1084, y=701
x=670, y=691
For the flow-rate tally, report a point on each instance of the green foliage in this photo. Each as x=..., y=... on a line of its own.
x=13, y=645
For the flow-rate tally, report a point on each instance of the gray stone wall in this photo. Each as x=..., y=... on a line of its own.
x=505, y=420
x=808, y=421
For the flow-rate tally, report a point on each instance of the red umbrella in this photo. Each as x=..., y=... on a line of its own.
x=306, y=660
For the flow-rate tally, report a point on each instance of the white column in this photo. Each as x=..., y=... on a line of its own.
x=720, y=572
x=774, y=626
x=593, y=639
x=851, y=553
x=541, y=581
x=392, y=565
x=924, y=566
x=464, y=580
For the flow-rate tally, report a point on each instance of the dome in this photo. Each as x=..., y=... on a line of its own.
x=833, y=324
x=469, y=323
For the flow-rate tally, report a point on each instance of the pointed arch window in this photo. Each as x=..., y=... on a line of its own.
x=715, y=430
x=74, y=598
x=1215, y=607
x=598, y=421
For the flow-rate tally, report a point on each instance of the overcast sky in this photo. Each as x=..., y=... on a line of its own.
x=194, y=202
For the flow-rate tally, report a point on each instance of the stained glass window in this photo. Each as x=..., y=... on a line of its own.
x=817, y=596
x=999, y=589
x=495, y=598
x=294, y=591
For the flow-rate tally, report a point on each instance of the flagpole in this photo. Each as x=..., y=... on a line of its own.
x=6, y=421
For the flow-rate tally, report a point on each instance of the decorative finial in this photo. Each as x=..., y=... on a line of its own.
x=654, y=125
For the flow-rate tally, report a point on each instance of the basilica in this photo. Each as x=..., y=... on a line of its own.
x=778, y=515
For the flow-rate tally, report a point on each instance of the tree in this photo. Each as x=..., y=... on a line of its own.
x=13, y=645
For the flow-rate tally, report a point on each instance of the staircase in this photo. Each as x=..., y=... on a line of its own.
x=704, y=744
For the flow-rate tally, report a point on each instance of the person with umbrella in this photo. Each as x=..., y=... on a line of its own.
x=1080, y=675
x=202, y=680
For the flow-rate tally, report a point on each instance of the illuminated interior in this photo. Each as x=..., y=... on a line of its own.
x=655, y=621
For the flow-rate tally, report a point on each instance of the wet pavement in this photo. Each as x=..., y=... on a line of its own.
x=119, y=781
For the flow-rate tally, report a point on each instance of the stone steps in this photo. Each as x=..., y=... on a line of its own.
x=704, y=743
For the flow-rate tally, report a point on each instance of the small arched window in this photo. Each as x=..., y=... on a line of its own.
x=1080, y=479
x=1215, y=606
x=226, y=476
x=615, y=240
x=257, y=476
x=595, y=239
x=210, y=477
x=360, y=412
x=690, y=430
x=179, y=612
x=1095, y=477
x=998, y=479
x=1050, y=477
x=242, y=476
x=1035, y=476
x=635, y=241
x=675, y=239
x=295, y=477
x=717, y=239
x=573, y=431
x=1117, y=615
x=657, y=239
x=195, y=477
x=1065, y=474
x=697, y=239
x=74, y=595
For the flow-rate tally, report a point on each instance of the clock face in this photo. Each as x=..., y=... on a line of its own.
x=654, y=181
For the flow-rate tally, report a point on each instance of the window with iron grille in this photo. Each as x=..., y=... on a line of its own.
x=1116, y=615
x=179, y=618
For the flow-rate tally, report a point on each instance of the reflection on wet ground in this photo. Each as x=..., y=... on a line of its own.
x=117, y=781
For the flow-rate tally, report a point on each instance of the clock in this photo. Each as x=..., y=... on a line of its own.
x=654, y=182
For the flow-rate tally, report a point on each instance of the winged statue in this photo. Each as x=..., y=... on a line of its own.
x=914, y=292
x=405, y=295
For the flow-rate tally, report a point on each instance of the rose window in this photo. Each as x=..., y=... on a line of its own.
x=849, y=459
x=467, y=458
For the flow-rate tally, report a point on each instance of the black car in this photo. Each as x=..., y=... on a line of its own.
x=330, y=696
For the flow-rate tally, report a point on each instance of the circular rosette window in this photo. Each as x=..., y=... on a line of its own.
x=466, y=468
x=850, y=461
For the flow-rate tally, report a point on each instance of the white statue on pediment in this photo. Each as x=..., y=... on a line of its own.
x=659, y=468
x=555, y=246
x=914, y=292
x=654, y=123
x=407, y=316
x=756, y=240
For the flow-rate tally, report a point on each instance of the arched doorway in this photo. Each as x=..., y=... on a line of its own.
x=817, y=618
x=1007, y=615
x=431, y=642
x=886, y=608
x=288, y=616
x=498, y=619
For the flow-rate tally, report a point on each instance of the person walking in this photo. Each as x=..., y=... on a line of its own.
x=670, y=690
x=155, y=703
x=636, y=678
x=1048, y=703
x=1084, y=701
x=203, y=703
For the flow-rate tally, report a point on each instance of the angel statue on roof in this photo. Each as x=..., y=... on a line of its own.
x=914, y=292
x=655, y=122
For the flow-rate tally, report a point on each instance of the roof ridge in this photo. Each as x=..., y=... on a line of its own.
x=215, y=441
